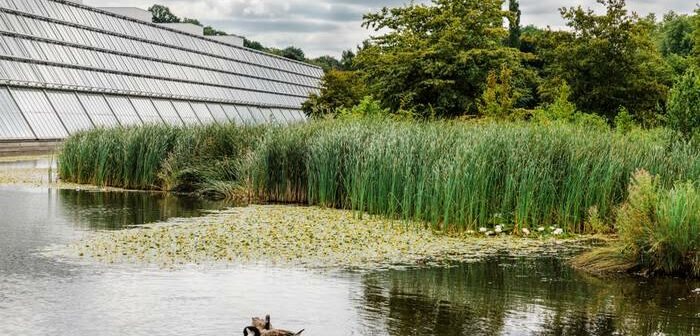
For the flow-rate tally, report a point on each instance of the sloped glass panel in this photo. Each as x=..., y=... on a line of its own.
x=218, y=112
x=96, y=107
x=70, y=111
x=232, y=114
x=39, y=113
x=278, y=116
x=258, y=114
x=245, y=115
x=13, y=126
x=145, y=109
x=125, y=112
x=202, y=112
x=167, y=112
x=186, y=112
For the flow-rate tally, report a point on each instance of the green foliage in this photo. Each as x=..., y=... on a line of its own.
x=675, y=39
x=611, y=61
x=293, y=53
x=339, y=89
x=438, y=57
x=254, y=45
x=162, y=14
x=696, y=38
x=460, y=175
x=660, y=228
x=498, y=99
x=676, y=34
x=684, y=103
x=367, y=108
x=624, y=121
x=514, y=29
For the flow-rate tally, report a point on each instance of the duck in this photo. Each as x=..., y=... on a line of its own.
x=262, y=327
x=254, y=331
x=262, y=324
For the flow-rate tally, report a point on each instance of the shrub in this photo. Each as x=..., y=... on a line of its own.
x=660, y=228
x=684, y=103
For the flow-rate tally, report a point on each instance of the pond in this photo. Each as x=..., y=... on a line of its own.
x=45, y=295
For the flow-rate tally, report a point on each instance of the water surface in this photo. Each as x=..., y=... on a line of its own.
x=42, y=295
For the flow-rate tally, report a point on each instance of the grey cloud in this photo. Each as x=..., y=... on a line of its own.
x=330, y=26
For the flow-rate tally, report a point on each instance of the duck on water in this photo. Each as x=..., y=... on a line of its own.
x=260, y=327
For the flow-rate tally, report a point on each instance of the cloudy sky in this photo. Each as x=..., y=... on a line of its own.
x=326, y=27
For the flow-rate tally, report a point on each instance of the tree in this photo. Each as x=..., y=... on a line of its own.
x=327, y=63
x=162, y=14
x=209, y=31
x=346, y=60
x=514, y=28
x=435, y=59
x=675, y=39
x=294, y=53
x=612, y=62
x=498, y=99
x=684, y=103
x=339, y=89
x=253, y=45
x=696, y=37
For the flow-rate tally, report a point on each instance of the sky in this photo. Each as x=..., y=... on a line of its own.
x=327, y=27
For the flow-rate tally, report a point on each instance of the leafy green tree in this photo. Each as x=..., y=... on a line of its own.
x=327, y=63
x=209, y=31
x=436, y=58
x=612, y=62
x=676, y=34
x=696, y=37
x=684, y=103
x=514, y=29
x=293, y=53
x=162, y=14
x=346, y=60
x=253, y=45
x=339, y=89
x=675, y=39
x=498, y=99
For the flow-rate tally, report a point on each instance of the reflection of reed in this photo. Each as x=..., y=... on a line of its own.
x=532, y=297
x=112, y=210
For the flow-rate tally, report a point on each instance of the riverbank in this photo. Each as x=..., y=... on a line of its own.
x=309, y=237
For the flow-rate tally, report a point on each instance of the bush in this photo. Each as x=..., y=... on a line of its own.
x=660, y=228
x=684, y=103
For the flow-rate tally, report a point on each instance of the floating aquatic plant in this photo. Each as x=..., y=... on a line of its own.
x=308, y=236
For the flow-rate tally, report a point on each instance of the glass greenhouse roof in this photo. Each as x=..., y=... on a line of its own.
x=66, y=67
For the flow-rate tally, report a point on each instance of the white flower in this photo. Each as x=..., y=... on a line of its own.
x=489, y=233
x=540, y=229
x=499, y=229
x=483, y=230
x=526, y=231
x=558, y=231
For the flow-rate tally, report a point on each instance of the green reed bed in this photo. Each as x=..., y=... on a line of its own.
x=464, y=176
x=157, y=157
x=453, y=175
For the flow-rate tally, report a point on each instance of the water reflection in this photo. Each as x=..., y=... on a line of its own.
x=533, y=297
x=113, y=210
x=41, y=295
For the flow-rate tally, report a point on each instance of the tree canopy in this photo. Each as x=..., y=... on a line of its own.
x=611, y=61
x=435, y=58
